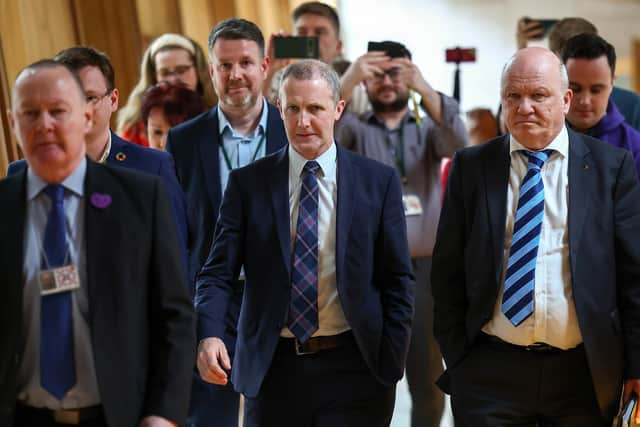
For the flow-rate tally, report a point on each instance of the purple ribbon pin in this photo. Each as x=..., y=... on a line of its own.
x=100, y=200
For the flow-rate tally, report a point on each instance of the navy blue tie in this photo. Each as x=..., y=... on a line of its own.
x=57, y=365
x=303, y=305
x=519, y=284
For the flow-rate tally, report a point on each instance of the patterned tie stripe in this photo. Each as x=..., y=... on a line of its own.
x=303, y=306
x=518, y=296
x=57, y=362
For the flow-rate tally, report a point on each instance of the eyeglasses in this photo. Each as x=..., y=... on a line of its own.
x=393, y=73
x=164, y=73
x=94, y=99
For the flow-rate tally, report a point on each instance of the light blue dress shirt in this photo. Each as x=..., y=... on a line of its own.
x=85, y=391
x=240, y=149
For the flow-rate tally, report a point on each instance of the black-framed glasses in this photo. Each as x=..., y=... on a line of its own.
x=94, y=99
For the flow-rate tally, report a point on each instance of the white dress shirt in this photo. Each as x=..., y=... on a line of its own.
x=331, y=319
x=554, y=318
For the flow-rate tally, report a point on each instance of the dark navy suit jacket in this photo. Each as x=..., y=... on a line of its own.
x=373, y=269
x=604, y=255
x=154, y=162
x=195, y=146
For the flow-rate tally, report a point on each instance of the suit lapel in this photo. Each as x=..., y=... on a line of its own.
x=346, y=183
x=13, y=222
x=280, y=200
x=496, y=171
x=276, y=137
x=209, y=145
x=98, y=229
x=581, y=177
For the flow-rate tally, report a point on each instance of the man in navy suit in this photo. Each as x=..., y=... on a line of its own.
x=326, y=316
x=239, y=130
x=536, y=268
x=103, y=146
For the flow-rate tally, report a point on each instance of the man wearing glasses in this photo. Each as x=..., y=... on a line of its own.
x=98, y=81
x=414, y=144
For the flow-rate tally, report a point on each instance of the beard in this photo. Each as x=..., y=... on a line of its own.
x=398, y=104
x=240, y=100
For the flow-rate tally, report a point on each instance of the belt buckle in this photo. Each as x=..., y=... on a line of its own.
x=300, y=348
x=64, y=416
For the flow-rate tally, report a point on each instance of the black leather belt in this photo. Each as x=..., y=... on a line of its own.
x=320, y=343
x=60, y=416
x=538, y=347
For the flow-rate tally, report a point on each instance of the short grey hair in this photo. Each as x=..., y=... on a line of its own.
x=310, y=69
x=564, y=77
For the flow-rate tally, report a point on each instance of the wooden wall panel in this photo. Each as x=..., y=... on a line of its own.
x=112, y=26
x=200, y=16
x=33, y=30
x=158, y=17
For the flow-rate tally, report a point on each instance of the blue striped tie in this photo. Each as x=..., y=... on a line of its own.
x=303, y=306
x=518, y=296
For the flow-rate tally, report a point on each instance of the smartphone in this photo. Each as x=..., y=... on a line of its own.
x=545, y=24
x=393, y=50
x=460, y=54
x=295, y=47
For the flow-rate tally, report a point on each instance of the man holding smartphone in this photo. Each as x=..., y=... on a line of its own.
x=314, y=19
x=414, y=146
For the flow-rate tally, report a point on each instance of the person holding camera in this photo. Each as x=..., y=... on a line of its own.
x=414, y=145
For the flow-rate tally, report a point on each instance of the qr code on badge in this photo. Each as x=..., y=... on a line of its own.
x=66, y=277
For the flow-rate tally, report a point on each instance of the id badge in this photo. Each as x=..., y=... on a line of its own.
x=412, y=205
x=61, y=279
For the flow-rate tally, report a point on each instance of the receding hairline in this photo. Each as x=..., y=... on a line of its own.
x=32, y=69
x=561, y=69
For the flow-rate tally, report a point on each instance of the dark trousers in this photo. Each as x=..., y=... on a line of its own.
x=424, y=361
x=31, y=417
x=331, y=388
x=502, y=385
x=215, y=405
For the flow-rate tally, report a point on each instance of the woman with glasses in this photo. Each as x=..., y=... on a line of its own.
x=173, y=58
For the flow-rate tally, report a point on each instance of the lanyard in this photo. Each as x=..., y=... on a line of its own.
x=399, y=153
x=253, y=158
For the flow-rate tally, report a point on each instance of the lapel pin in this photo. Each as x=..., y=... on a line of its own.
x=100, y=201
x=120, y=156
x=586, y=166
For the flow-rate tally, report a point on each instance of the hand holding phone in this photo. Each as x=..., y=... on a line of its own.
x=295, y=47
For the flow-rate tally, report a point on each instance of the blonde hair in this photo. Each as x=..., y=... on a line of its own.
x=130, y=114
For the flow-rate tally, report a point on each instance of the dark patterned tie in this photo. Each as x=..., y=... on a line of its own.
x=57, y=365
x=519, y=284
x=303, y=305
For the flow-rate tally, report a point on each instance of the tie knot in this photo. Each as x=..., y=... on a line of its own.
x=311, y=167
x=537, y=158
x=55, y=193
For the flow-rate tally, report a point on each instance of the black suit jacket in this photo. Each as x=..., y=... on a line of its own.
x=195, y=146
x=141, y=319
x=604, y=255
x=373, y=268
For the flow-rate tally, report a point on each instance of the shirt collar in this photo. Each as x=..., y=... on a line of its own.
x=107, y=150
x=327, y=161
x=73, y=183
x=262, y=124
x=560, y=143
